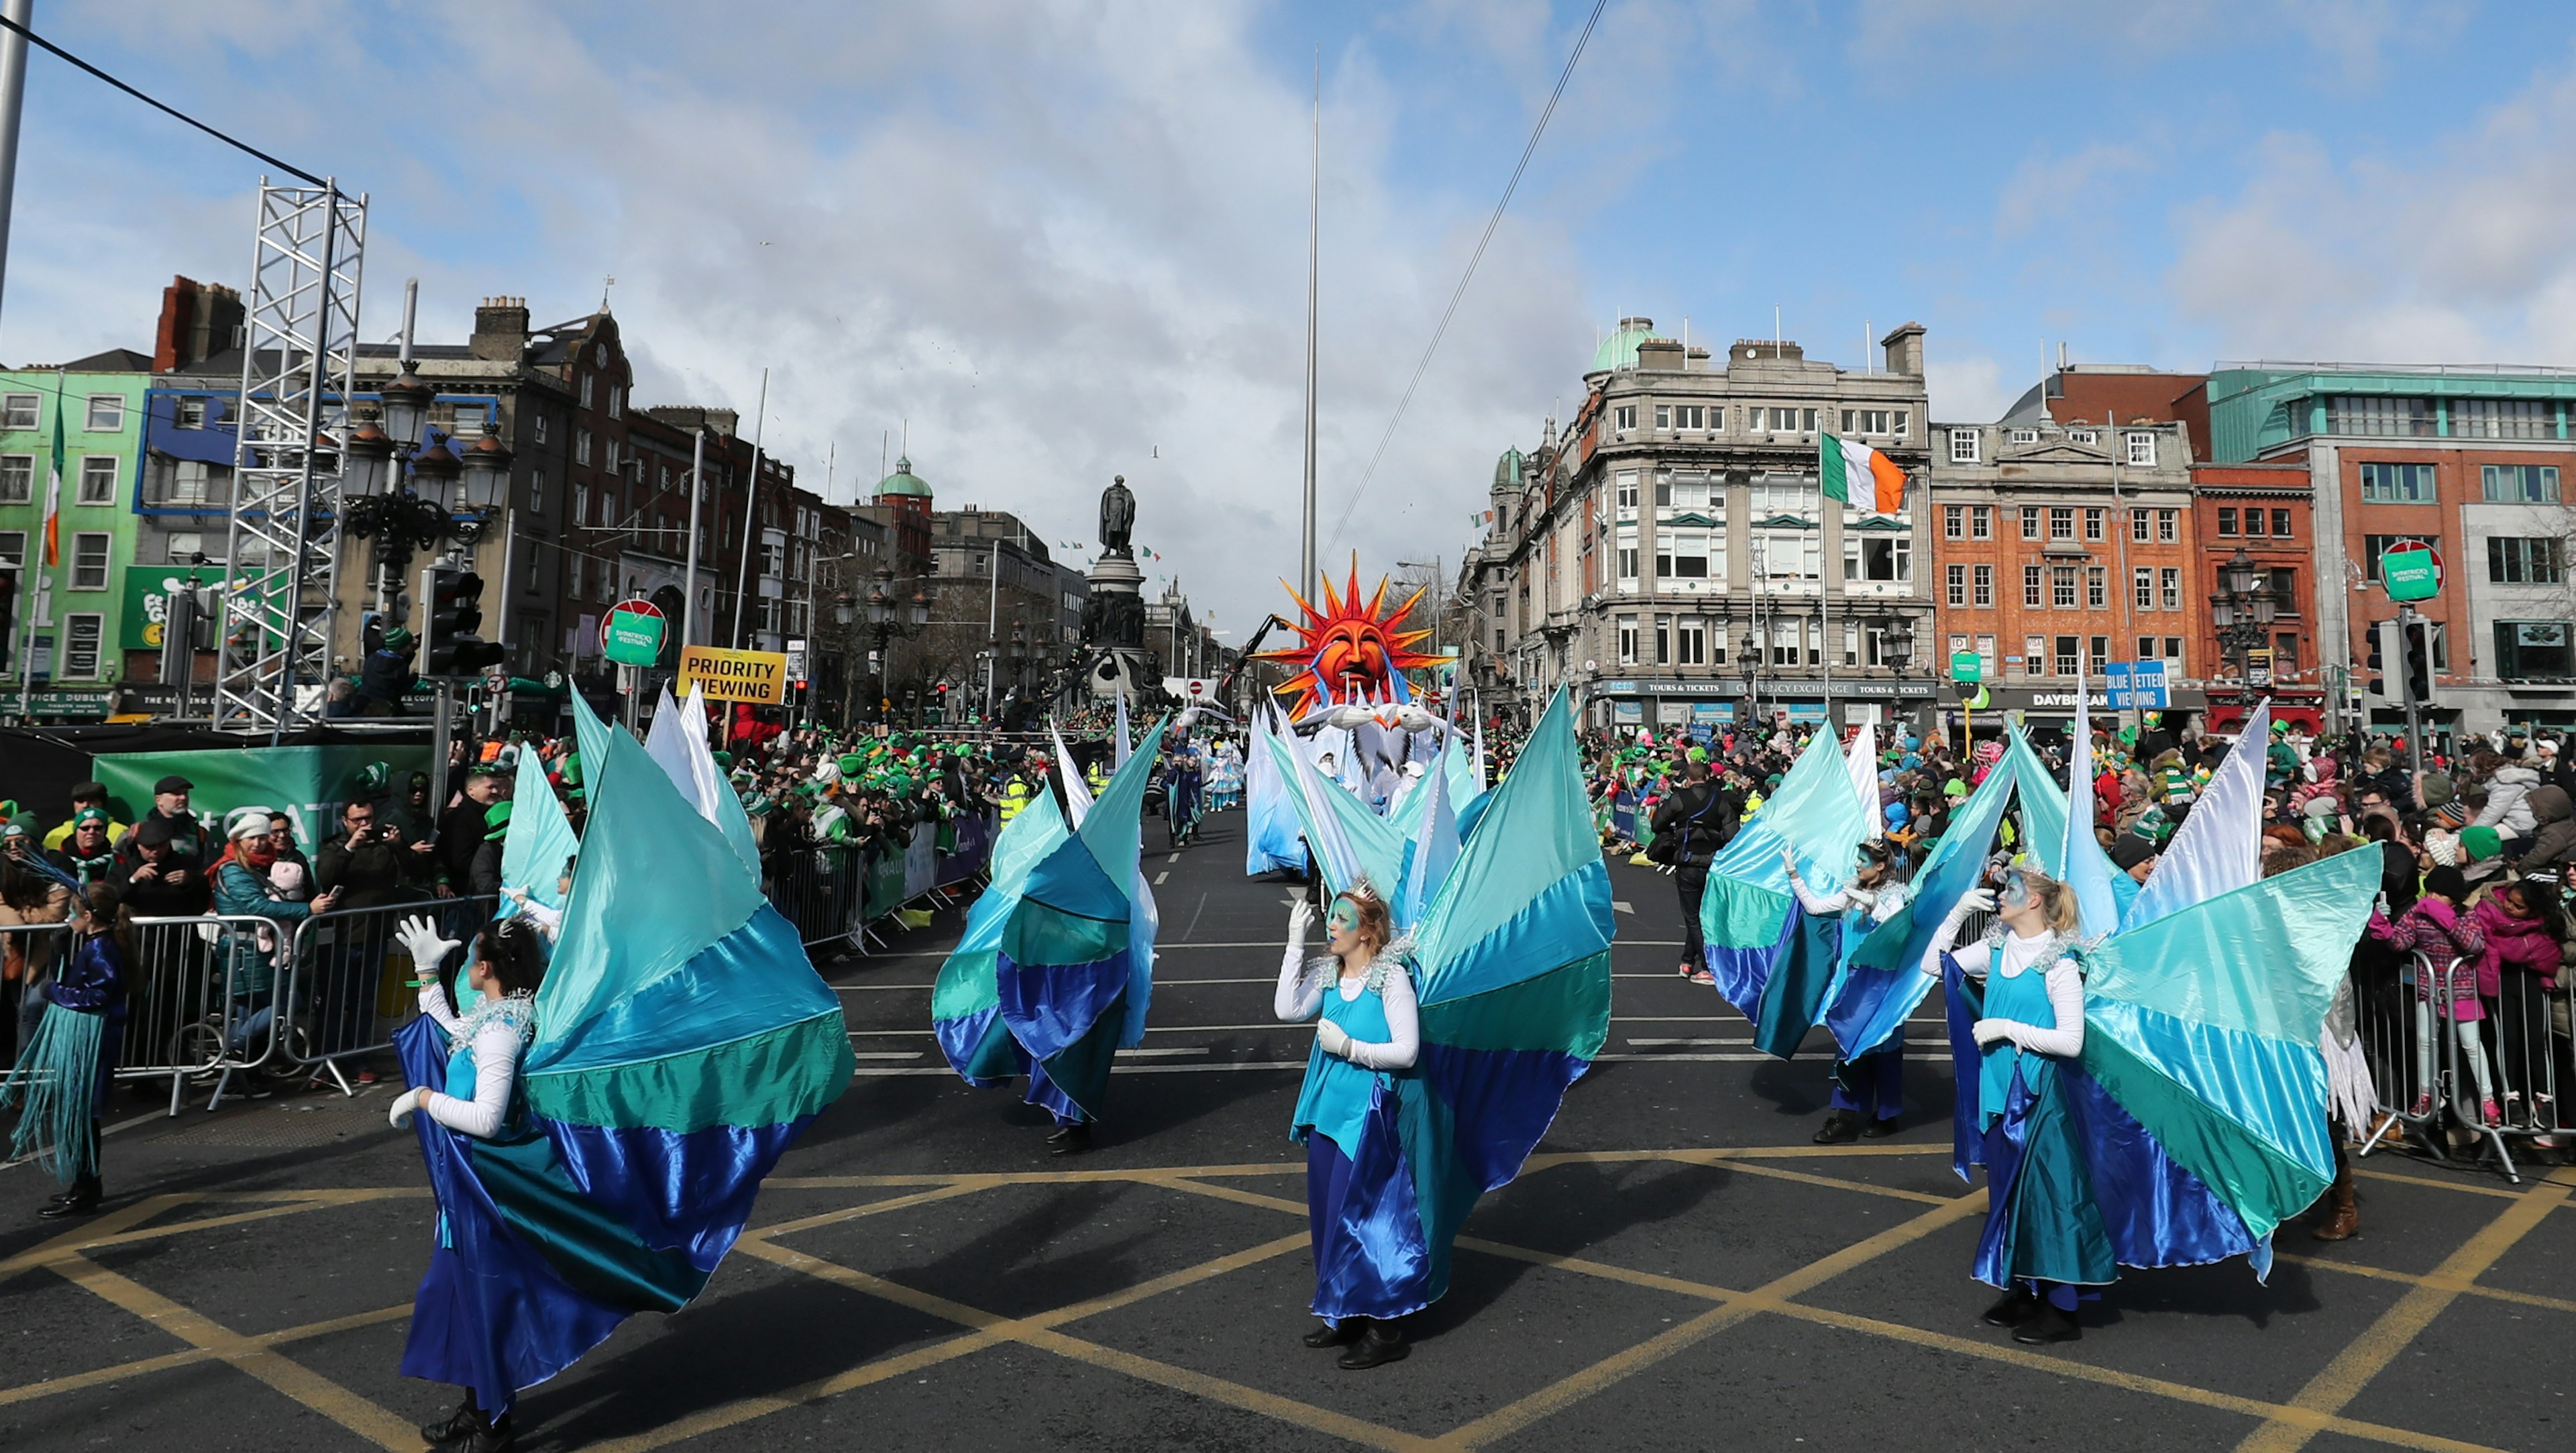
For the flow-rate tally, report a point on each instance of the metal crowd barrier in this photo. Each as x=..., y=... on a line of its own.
x=845, y=892
x=2433, y=1071
x=346, y=984
x=200, y=997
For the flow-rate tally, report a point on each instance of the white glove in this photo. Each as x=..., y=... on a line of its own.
x=1334, y=1041
x=1301, y=918
x=1975, y=900
x=1991, y=1031
x=419, y=938
x=406, y=1102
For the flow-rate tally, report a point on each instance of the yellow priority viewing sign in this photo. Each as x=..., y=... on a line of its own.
x=756, y=676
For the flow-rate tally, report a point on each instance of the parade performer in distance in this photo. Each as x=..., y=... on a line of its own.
x=597, y=1125
x=1445, y=1051
x=69, y=1064
x=1873, y=1082
x=2152, y=1099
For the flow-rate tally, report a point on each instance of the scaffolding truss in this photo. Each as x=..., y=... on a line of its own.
x=299, y=354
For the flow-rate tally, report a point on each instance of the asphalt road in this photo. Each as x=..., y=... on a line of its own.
x=1677, y=1268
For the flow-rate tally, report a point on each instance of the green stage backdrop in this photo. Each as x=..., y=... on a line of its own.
x=309, y=782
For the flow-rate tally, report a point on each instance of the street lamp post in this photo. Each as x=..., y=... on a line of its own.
x=890, y=618
x=2242, y=610
x=409, y=495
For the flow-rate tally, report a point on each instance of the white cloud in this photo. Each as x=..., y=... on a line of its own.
x=1970, y=390
x=2455, y=253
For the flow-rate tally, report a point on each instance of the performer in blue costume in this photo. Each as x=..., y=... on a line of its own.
x=1370, y=1028
x=1873, y=1082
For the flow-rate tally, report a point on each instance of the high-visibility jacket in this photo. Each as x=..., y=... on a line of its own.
x=1015, y=795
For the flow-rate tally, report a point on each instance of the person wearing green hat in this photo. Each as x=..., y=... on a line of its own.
x=86, y=853
x=85, y=795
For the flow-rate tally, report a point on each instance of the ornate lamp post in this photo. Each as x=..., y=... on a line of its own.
x=407, y=497
x=890, y=617
x=2242, y=610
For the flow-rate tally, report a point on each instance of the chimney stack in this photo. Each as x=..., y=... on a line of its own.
x=198, y=320
x=500, y=330
x=1905, y=350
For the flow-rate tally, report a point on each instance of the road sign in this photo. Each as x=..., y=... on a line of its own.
x=2136, y=685
x=754, y=676
x=2258, y=668
x=632, y=634
x=795, y=663
x=2412, y=574
x=1967, y=666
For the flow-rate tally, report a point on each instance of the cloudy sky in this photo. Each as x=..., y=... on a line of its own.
x=1062, y=241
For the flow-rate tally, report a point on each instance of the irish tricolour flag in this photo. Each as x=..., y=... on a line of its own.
x=1841, y=463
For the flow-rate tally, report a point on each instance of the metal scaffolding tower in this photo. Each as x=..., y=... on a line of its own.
x=299, y=352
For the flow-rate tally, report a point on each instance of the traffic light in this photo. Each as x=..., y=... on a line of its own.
x=2376, y=683
x=2415, y=658
x=450, y=645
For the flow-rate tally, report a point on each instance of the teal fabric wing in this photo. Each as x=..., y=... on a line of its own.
x=1750, y=922
x=590, y=734
x=540, y=840
x=965, y=1003
x=1883, y=981
x=1349, y=841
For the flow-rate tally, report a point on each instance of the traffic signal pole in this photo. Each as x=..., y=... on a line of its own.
x=438, y=719
x=2406, y=622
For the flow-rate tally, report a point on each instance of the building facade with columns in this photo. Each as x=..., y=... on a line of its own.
x=1668, y=553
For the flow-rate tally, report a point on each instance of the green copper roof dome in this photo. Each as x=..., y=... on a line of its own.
x=1507, y=470
x=903, y=481
x=1619, y=350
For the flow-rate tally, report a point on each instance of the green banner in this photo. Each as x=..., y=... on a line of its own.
x=147, y=599
x=309, y=783
x=885, y=886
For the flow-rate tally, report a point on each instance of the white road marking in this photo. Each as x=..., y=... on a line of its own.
x=1174, y=858
x=1192, y=1049
x=1159, y=877
x=1624, y=907
x=886, y=1054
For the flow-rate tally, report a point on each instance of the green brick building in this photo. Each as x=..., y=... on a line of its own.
x=66, y=620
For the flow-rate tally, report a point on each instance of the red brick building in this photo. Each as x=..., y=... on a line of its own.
x=2260, y=511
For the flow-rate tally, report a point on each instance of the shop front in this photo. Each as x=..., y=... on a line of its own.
x=1706, y=705
x=2050, y=710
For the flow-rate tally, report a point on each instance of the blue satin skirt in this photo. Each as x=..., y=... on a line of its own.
x=1370, y=1256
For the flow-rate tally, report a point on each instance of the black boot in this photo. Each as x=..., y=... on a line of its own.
x=1336, y=1334
x=1840, y=1128
x=2017, y=1307
x=1879, y=1129
x=495, y=1436
x=456, y=1427
x=1382, y=1343
x=1071, y=1140
x=2046, y=1325
x=81, y=1200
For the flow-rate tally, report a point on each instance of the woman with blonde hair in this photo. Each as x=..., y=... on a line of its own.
x=2044, y=1237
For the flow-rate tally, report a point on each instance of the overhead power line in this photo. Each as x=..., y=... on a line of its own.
x=1460, y=292
x=162, y=106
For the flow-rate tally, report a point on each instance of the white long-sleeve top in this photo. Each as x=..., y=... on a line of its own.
x=2012, y=958
x=1303, y=981
x=1881, y=902
x=499, y=1037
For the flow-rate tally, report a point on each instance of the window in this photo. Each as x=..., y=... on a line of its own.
x=2066, y=661
x=2095, y=523
x=1663, y=640
x=13, y=547
x=581, y=446
x=2169, y=586
x=608, y=449
x=2142, y=450
x=1986, y=654
x=1682, y=554
x=2030, y=587
x=2100, y=652
x=2029, y=522
x=1866, y=421
x=1624, y=417
x=2083, y=436
x=1787, y=421
x=2227, y=520
x=587, y=380
x=1958, y=584
x=1625, y=485
x=581, y=504
x=186, y=546
x=1954, y=522
x=2097, y=589
x=2061, y=522
x=540, y=427
x=2034, y=655
x=616, y=401
x=1690, y=642
x=1627, y=640
x=106, y=414
x=2285, y=590
x=2281, y=524
x=1689, y=416
x=98, y=480
x=80, y=646
x=2533, y=651
x=2168, y=526
x=2524, y=484
x=188, y=413
x=2397, y=484
x=89, y=561
x=2145, y=585
x=2514, y=560
x=1784, y=643
x=2173, y=648
x=2254, y=522
x=2501, y=419
x=2138, y=526
x=17, y=479
x=2025, y=436
x=1981, y=522
x=1985, y=587
x=536, y=491
x=1689, y=492
x=2061, y=587
x=1878, y=557
x=1628, y=559
x=2366, y=414
x=18, y=411
x=1963, y=446
x=2285, y=655
x=1663, y=416
x=2146, y=648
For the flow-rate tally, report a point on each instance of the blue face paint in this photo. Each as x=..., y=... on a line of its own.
x=1344, y=918
x=2017, y=891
